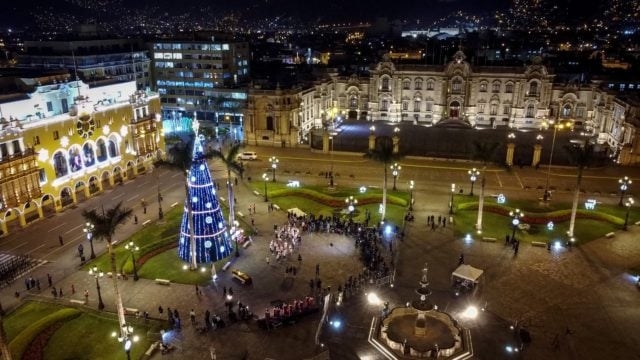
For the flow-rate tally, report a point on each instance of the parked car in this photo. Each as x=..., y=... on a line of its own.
x=247, y=155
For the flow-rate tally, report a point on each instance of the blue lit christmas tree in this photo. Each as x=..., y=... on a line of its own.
x=204, y=237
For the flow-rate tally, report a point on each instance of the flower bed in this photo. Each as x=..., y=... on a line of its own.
x=35, y=351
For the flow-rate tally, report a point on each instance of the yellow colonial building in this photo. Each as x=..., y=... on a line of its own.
x=66, y=141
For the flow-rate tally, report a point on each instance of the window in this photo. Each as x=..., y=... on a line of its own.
x=506, y=110
x=429, y=106
x=495, y=87
x=406, y=84
x=49, y=106
x=566, y=110
x=42, y=175
x=430, y=85
x=494, y=109
x=418, y=84
x=385, y=83
x=405, y=105
x=580, y=112
x=416, y=105
x=481, y=108
x=56, y=135
x=483, y=87
x=533, y=88
x=508, y=88
x=456, y=86
x=384, y=105
x=530, y=110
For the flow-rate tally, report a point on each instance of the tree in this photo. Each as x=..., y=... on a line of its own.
x=582, y=156
x=105, y=224
x=484, y=152
x=232, y=165
x=383, y=153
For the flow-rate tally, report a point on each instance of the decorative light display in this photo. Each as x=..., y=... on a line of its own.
x=212, y=239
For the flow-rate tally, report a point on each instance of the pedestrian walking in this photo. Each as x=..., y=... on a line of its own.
x=50, y=280
x=38, y=284
x=461, y=259
x=135, y=219
x=60, y=239
x=268, y=260
x=86, y=296
x=73, y=289
x=299, y=259
x=317, y=269
x=27, y=284
x=236, y=181
x=444, y=222
x=253, y=222
x=224, y=291
x=197, y=290
x=192, y=316
x=60, y=292
x=230, y=291
x=254, y=208
x=54, y=292
x=176, y=314
x=160, y=309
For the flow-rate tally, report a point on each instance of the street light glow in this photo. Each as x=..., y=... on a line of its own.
x=470, y=312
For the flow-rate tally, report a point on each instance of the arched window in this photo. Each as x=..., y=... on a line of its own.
x=416, y=105
x=483, y=87
x=495, y=87
x=566, y=110
x=385, y=83
x=406, y=84
x=405, y=105
x=533, y=88
x=384, y=105
x=508, y=88
x=530, y=111
x=430, y=84
x=456, y=86
x=418, y=84
x=353, y=102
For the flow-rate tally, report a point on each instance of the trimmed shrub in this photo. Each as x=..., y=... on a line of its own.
x=22, y=341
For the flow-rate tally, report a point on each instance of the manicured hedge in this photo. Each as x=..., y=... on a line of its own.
x=335, y=202
x=543, y=218
x=22, y=341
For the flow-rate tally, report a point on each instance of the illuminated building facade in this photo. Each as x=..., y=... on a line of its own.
x=66, y=141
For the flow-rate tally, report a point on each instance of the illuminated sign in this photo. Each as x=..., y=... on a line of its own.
x=590, y=204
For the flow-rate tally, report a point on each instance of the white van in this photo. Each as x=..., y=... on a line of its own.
x=247, y=155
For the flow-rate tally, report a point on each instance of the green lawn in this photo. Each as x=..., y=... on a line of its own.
x=96, y=328
x=168, y=265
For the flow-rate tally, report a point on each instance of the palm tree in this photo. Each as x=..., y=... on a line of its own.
x=230, y=161
x=483, y=151
x=383, y=153
x=581, y=156
x=105, y=224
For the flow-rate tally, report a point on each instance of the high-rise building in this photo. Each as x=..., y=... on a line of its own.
x=204, y=74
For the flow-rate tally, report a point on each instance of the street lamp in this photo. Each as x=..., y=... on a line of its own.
x=127, y=338
x=545, y=197
x=453, y=190
x=133, y=248
x=265, y=177
x=516, y=215
x=160, y=211
x=473, y=176
x=88, y=229
x=97, y=274
x=395, y=171
x=331, y=170
x=236, y=233
x=624, y=186
x=274, y=164
x=351, y=205
x=628, y=204
x=411, y=183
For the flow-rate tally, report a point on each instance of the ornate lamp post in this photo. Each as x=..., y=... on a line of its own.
x=236, y=233
x=274, y=164
x=265, y=177
x=545, y=197
x=133, y=248
x=628, y=204
x=88, y=229
x=127, y=338
x=331, y=170
x=516, y=215
x=395, y=171
x=351, y=205
x=160, y=211
x=473, y=176
x=411, y=183
x=624, y=186
x=97, y=274
x=453, y=190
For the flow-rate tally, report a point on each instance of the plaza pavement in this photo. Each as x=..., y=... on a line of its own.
x=585, y=290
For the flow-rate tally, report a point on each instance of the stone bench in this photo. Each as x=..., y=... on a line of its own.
x=247, y=243
x=489, y=239
x=226, y=266
x=240, y=214
x=539, y=243
x=163, y=282
x=276, y=207
x=152, y=348
x=222, y=199
x=255, y=192
x=174, y=204
x=637, y=222
x=74, y=301
x=146, y=222
x=610, y=235
x=131, y=311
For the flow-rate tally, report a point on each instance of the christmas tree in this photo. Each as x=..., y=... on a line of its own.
x=204, y=237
